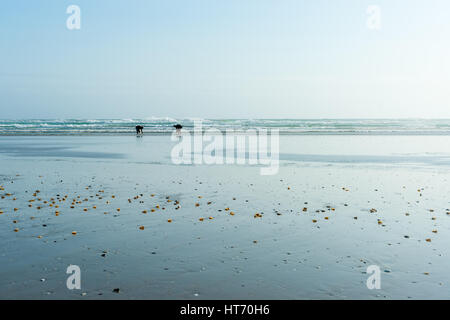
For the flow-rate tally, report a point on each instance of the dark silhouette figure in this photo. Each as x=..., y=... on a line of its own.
x=178, y=129
x=139, y=130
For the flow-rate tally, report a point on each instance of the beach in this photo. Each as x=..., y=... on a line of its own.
x=338, y=204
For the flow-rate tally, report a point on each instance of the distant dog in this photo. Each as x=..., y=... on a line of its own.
x=139, y=130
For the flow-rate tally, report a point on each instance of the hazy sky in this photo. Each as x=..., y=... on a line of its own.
x=227, y=58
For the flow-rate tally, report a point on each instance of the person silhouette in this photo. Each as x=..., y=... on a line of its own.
x=139, y=130
x=178, y=127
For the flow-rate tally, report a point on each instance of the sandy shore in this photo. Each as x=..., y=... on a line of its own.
x=337, y=205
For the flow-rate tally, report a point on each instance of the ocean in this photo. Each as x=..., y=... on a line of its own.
x=285, y=126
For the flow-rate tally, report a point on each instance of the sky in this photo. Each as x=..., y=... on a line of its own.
x=225, y=59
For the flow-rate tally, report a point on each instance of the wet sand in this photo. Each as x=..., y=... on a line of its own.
x=337, y=205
